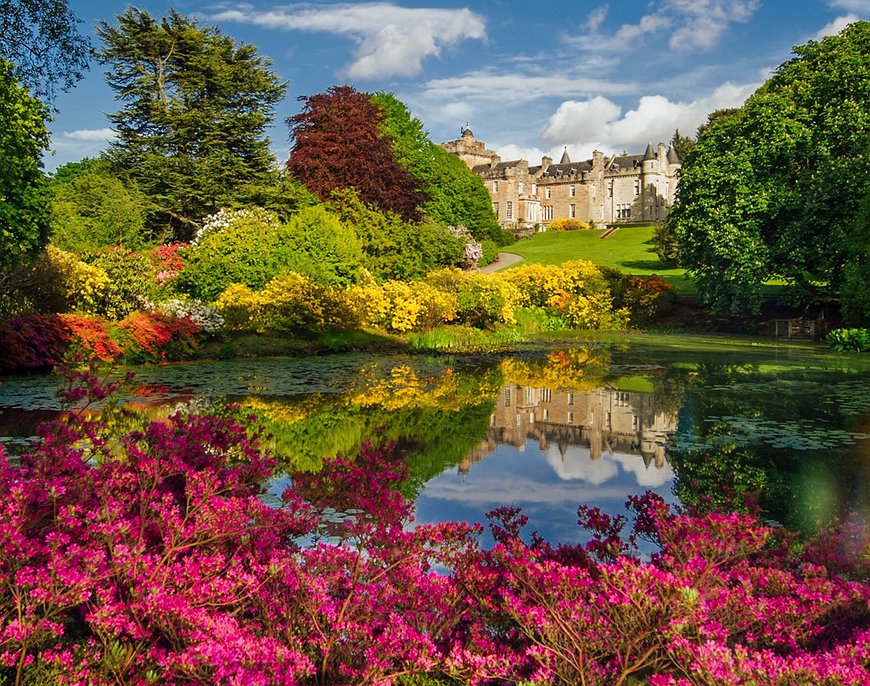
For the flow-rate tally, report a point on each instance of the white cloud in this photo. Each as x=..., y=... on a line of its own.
x=687, y=24
x=90, y=135
x=600, y=123
x=836, y=26
x=391, y=40
x=851, y=5
x=491, y=86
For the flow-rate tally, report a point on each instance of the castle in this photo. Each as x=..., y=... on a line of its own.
x=604, y=190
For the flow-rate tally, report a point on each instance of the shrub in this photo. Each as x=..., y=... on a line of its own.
x=152, y=336
x=490, y=250
x=32, y=342
x=132, y=283
x=849, y=340
x=666, y=244
x=91, y=338
x=567, y=225
x=646, y=297
x=205, y=317
x=481, y=300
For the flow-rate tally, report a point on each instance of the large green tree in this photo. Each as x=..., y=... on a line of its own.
x=191, y=132
x=455, y=195
x=771, y=190
x=24, y=214
x=40, y=39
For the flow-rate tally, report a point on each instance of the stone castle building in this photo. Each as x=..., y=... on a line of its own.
x=601, y=190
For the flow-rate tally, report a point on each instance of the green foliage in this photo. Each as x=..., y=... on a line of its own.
x=490, y=252
x=39, y=37
x=682, y=144
x=395, y=248
x=855, y=296
x=666, y=243
x=456, y=195
x=850, y=340
x=132, y=284
x=771, y=190
x=24, y=216
x=92, y=209
x=195, y=109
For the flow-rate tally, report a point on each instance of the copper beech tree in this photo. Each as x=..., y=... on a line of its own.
x=338, y=144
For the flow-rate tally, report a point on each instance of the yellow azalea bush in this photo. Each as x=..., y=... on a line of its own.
x=84, y=285
x=482, y=301
x=237, y=305
x=563, y=224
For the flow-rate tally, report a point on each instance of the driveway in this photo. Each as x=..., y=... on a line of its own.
x=504, y=259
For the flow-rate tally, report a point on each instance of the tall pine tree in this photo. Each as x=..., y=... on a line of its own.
x=196, y=106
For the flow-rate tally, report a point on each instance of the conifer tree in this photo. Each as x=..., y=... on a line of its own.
x=195, y=108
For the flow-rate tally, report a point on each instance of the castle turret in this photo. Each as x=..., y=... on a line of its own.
x=649, y=160
x=565, y=159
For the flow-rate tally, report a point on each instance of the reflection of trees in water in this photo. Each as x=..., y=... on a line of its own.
x=765, y=436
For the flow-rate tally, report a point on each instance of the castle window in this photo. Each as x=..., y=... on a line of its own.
x=495, y=186
x=610, y=189
x=521, y=187
x=572, y=210
x=509, y=210
x=592, y=190
x=507, y=397
x=637, y=186
x=495, y=209
x=570, y=417
x=548, y=212
x=534, y=189
x=546, y=414
x=547, y=193
x=572, y=190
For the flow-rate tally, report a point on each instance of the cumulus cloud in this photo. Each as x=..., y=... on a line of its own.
x=391, y=40
x=688, y=24
x=836, y=26
x=598, y=122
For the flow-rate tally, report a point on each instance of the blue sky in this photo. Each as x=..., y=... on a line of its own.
x=530, y=78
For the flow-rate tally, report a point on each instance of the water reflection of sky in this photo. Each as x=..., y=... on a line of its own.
x=547, y=485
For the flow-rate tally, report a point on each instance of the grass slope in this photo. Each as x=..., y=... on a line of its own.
x=630, y=250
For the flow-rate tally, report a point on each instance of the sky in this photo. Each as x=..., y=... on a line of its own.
x=529, y=78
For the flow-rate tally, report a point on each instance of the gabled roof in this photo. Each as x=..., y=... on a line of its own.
x=570, y=169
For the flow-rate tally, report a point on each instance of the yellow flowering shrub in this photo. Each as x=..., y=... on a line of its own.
x=369, y=304
x=481, y=300
x=534, y=283
x=84, y=285
x=237, y=305
x=293, y=303
x=416, y=306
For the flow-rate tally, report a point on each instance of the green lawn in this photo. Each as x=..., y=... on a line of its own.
x=629, y=249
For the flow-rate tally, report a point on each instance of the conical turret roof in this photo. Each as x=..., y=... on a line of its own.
x=650, y=153
x=565, y=159
x=673, y=157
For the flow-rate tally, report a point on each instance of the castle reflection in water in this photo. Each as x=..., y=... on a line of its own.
x=605, y=420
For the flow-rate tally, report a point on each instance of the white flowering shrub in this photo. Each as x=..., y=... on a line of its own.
x=204, y=316
x=473, y=249
x=224, y=219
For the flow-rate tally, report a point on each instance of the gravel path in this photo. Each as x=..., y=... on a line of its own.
x=504, y=259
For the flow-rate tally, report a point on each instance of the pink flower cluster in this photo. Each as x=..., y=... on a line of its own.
x=146, y=555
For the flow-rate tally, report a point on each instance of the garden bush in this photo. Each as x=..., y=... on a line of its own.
x=132, y=282
x=567, y=225
x=849, y=340
x=149, y=556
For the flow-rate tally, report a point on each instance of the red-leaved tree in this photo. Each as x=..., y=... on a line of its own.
x=337, y=143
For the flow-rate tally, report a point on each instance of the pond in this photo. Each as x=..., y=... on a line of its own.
x=703, y=421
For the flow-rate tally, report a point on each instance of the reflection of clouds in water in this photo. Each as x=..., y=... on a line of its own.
x=576, y=464
x=647, y=476
x=497, y=490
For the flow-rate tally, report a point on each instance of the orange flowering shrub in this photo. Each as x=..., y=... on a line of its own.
x=155, y=336
x=91, y=335
x=645, y=297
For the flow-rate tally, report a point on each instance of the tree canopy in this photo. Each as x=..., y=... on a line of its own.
x=455, y=195
x=39, y=38
x=196, y=107
x=24, y=214
x=772, y=190
x=338, y=144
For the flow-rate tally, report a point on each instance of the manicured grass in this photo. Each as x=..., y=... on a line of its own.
x=630, y=250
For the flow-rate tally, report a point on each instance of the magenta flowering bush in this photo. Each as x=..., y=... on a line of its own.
x=147, y=555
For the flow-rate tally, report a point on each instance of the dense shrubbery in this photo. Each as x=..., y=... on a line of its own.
x=850, y=340
x=148, y=556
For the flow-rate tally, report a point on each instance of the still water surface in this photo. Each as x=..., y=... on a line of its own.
x=703, y=421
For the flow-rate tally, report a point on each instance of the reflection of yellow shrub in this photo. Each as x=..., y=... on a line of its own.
x=579, y=369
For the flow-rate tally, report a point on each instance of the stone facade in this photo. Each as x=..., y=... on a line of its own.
x=602, y=190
